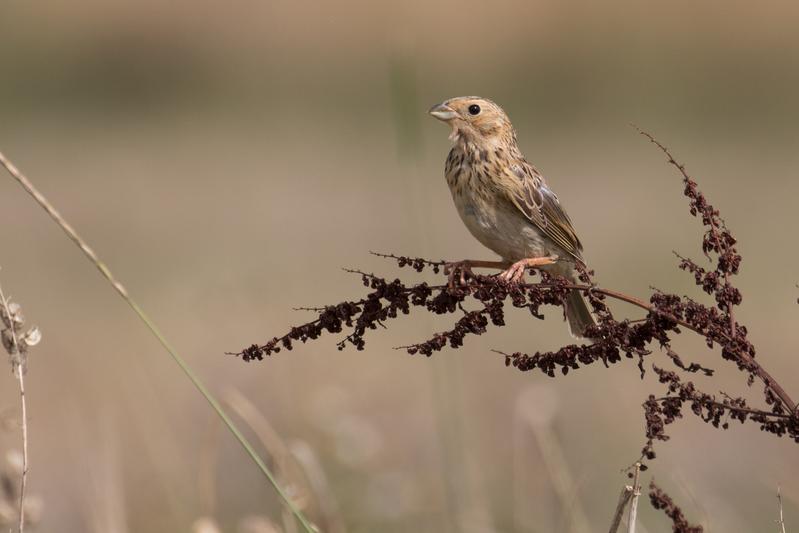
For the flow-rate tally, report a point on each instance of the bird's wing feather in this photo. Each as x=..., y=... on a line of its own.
x=529, y=193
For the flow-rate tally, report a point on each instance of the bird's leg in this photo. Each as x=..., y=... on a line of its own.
x=461, y=270
x=515, y=274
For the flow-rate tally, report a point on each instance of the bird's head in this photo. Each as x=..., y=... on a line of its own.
x=474, y=119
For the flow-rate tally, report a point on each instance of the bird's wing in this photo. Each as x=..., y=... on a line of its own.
x=530, y=194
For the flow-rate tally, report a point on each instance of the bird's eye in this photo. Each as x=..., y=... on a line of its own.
x=474, y=109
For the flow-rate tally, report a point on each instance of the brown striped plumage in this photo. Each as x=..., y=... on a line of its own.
x=503, y=200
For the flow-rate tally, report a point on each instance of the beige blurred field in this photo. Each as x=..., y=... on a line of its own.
x=226, y=160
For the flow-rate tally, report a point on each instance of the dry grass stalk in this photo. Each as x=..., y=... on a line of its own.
x=42, y=201
x=624, y=498
x=10, y=473
x=779, y=503
x=636, y=493
x=16, y=344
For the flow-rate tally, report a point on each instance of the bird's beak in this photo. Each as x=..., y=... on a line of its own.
x=443, y=112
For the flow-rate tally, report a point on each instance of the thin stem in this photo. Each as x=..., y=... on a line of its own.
x=24, y=478
x=19, y=370
x=120, y=289
x=409, y=260
x=634, y=503
x=729, y=407
x=624, y=498
x=779, y=502
x=761, y=372
x=714, y=228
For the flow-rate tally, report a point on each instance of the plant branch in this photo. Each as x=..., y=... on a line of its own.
x=19, y=371
x=756, y=367
x=779, y=503
x=662, y=501
x=636, y=493
x=624, y=498
x=732, y=408
x=479, y=282
x=712, y=221
x=23, y=482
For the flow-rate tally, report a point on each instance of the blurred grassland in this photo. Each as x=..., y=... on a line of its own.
x=225, y=161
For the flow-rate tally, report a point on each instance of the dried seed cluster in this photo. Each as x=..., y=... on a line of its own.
x=15, y=339
x=662, y=501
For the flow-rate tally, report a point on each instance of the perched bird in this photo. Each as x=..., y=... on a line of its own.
x=505, y=202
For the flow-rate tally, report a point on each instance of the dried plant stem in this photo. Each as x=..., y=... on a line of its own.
x=634, y=503
x=732, y=408
x=711, y=222
x=779, y=502
x=764, y=376
x=201, y=388
x=19, y=370
x=624, y=498
x=761, y=372
x=24, y=477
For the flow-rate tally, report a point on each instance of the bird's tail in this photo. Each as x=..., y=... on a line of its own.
x=578, y=314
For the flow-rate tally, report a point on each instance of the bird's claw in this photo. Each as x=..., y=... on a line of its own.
x=515, y=274
x=458, y=273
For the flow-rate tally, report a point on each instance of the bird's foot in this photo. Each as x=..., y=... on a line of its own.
x=458, y=273
x=515, y=274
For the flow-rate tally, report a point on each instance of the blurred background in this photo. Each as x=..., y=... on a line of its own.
x=227, y=160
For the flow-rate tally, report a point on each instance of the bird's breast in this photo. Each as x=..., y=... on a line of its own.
x=494, y=222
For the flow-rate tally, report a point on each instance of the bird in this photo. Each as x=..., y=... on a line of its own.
x=506, y=204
